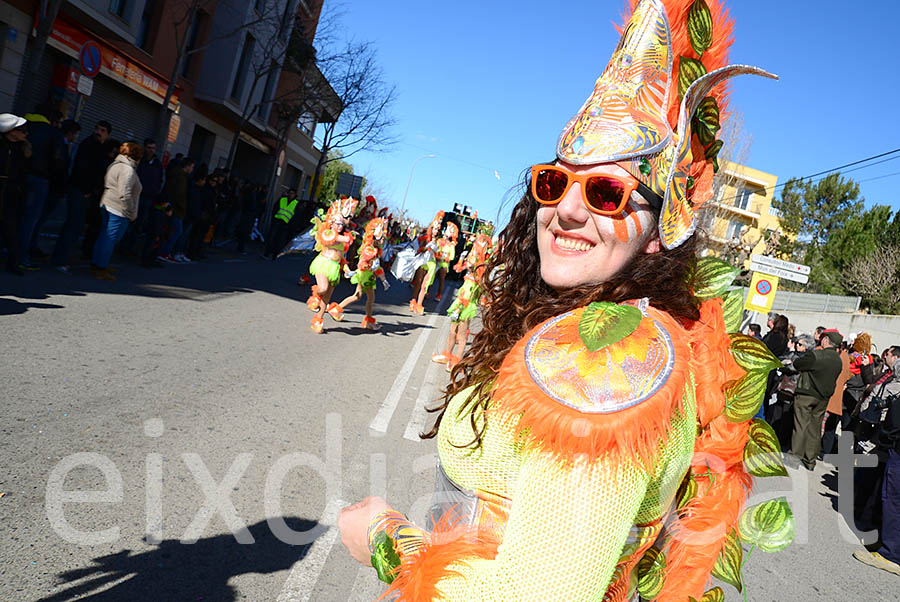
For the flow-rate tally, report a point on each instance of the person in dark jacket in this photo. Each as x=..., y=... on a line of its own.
x=150, y=172
x=176, y=194
x=203, y=212
x=46, y=169
x=84, y=188
x=819, y=370
x=69, y=129
x=777, y=337
x=13, y=134
x=887, y=557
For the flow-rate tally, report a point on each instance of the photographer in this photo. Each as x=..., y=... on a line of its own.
x=881, y=410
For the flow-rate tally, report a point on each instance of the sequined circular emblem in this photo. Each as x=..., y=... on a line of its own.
x=599, y=382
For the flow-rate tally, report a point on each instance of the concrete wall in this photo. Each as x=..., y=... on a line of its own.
x=885, y=330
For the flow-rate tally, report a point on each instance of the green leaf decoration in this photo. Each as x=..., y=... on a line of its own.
x=706, y=135
x=708, y=113
x=762, y=454
x=385, y=559
x=768, y=526
x=728, y=564
x=686, y=491
x=713, y=277
x=689, y=70
x=714, y=595
x=603, y=324
x=752, y=354
x=651, y=573
x=733, y=309
x=700, y=27
x=743, y=398
x=712, y=151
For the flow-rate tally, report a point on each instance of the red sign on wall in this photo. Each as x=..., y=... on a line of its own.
x=72, y=40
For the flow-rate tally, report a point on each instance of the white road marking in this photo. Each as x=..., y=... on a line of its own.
x=420, y=416
x=386, y=411
x=366, y=586
x=305, y=573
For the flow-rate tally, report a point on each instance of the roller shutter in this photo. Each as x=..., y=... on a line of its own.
x=131, y=114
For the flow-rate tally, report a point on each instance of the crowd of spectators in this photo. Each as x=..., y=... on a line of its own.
x=117, y=196
x=831, y=387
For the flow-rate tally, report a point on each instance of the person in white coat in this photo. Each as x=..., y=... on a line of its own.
x=118, y=205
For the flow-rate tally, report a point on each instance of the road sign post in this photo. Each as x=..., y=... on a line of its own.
x=772, y=266
x=762, y=293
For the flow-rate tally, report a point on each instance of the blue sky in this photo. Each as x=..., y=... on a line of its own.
x=489, y=85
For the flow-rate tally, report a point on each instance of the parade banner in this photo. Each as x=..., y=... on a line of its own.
x=72, y=40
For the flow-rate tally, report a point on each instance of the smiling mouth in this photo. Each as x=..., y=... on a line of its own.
x=571, y=244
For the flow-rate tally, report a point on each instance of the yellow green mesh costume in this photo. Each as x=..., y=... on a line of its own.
x=603, y=425
x=446, y=253
x=465, y=304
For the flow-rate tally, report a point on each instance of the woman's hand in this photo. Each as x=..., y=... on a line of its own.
x=353, y=522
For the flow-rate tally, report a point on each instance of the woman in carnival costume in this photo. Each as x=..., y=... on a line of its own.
x=368, y=268
x=428, y=251
x=331, y=243
x=446, y=253
x=465, y=305
x=604, y=398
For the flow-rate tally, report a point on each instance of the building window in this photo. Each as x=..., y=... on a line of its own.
x=307, y=123
x=265, y=103
x=734, y=230
x=117, y=7
x=742, y=199
x=240, y=78
x=143, y=34
x=196, y=28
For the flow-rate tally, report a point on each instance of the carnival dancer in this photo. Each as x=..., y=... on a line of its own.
x=465, y=305
x=331, y=243
x=424, y=276
x=591, y=409
x=446, y=253
x=367, y=269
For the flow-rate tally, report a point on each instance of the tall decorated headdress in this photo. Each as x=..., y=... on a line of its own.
x=658, y=105
x=345, y=207
x=436, y=222
x=451, y=231
x=376, y=230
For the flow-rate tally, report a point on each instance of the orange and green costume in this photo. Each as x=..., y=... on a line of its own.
x=617, y=444
x=603, y=425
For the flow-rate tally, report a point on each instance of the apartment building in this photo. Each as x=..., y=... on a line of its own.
x=114, y=60
x=739, y=218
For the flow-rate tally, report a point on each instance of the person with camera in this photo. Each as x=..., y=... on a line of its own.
x=881, y=410
x=819, y=370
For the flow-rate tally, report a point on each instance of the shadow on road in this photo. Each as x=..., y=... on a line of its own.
x=183, y=572
x=221, y=275
x=10, y=307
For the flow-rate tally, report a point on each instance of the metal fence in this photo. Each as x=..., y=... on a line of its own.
x=786, y=301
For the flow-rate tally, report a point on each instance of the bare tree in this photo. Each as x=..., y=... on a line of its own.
x=876, y=276
x=735, y=151
x=365, y=121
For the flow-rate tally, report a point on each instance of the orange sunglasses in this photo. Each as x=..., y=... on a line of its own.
x=603, y=194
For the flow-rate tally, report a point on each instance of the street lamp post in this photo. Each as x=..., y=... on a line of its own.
x=403, y=205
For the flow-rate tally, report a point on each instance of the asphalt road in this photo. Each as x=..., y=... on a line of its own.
x=182, y=435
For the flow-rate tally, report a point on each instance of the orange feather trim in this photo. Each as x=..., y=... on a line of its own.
x=702, y=526
x=449, y=543
x=635, y=432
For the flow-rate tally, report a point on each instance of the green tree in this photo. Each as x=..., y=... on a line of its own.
x=812, y=213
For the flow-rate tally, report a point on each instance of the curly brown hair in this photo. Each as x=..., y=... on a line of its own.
x=518, y=300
